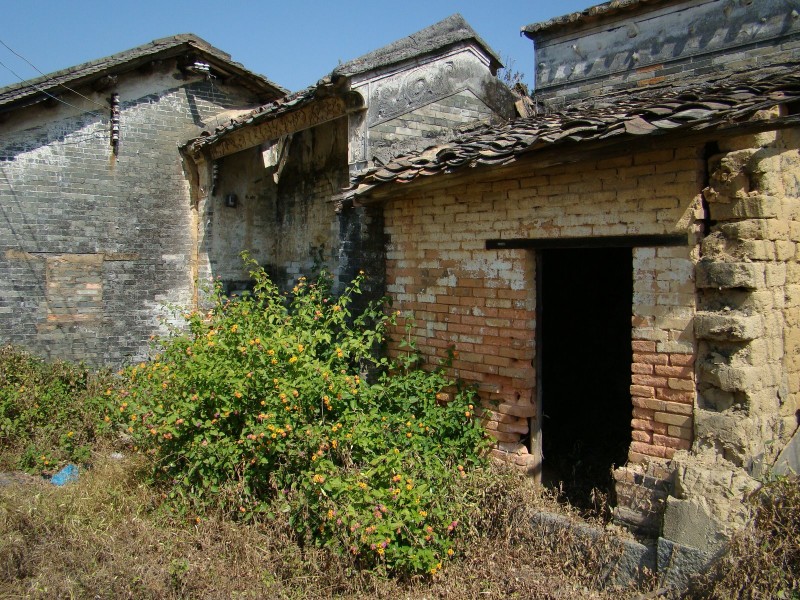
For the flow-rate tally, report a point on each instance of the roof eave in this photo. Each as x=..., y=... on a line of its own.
x=379, y=191
x=441, y=36
x=586, y=16
x=53, y=83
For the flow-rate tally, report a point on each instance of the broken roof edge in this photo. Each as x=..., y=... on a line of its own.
x=363, y=193
x=730, y=108
x=276, y=109
x=588, y=15
x=447, y=32
x=126, y=60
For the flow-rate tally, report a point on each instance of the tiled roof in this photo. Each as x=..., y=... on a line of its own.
x=586, y=15
x=32, y=89
x=621, y=118
x=265, y=112
x=446, y=32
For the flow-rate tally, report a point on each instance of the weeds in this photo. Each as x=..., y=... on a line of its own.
x=762, y=561
x=50, y=413
x=263, y=408
x=108, y=536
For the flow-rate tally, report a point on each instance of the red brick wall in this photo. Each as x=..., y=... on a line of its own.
x=482, y=302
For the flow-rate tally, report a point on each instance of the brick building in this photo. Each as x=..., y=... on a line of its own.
x=618, y=274
x=269, y=181
x=128, y=181
x=96, y=237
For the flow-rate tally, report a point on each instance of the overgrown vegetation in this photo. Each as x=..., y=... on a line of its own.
x=260, y=460
x=763, y=561
x=263, y=407
x=106, y=537
x=50, y=413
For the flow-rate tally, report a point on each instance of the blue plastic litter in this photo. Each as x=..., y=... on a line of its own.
x=68, y=474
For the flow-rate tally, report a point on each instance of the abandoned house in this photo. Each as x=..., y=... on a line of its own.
x=97, y=225
x=617, y=271
x=129, y=181
x=268, y=182
x=618, y=274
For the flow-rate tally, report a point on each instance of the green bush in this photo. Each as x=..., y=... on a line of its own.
x=263, y=404
x=50, y=413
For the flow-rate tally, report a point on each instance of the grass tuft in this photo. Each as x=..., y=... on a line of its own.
x=762, y=561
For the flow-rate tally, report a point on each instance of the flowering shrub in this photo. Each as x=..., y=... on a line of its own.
x=263, y=405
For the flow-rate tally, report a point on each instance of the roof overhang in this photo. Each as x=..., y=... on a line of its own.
x=733, y=108
x=187, y=49
x=296, y=113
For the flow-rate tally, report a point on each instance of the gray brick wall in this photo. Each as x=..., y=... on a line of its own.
x=660, y=44
x=420, y=128
x=93, y=247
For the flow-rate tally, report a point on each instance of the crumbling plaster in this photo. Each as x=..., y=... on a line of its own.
x=292, y=228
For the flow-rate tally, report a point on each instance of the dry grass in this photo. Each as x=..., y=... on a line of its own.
x=108, y=537
x=763, y=561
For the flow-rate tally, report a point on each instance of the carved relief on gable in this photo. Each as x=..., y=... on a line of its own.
x=412, y=89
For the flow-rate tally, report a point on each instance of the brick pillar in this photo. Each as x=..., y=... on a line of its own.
x=747, y=331
x=662, y=381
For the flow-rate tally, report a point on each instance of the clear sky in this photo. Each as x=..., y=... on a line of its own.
x=292, y=42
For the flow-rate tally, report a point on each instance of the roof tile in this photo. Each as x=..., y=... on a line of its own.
x=650, y=112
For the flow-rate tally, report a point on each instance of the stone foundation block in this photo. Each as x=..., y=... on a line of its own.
x=789, y=460
x=726, y=275
x=677, y=563
x=727, y=326
x=625, y=566
x=690, y=523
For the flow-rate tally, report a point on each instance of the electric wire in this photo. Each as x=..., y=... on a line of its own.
x=80, y=140
x=10, y=49
x=13, y=72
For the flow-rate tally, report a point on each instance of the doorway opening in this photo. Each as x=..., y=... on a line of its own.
x=584, y=301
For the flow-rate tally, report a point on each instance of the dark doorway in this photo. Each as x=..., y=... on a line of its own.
x=584, y=348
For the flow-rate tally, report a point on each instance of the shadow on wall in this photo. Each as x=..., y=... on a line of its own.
x=282, y=214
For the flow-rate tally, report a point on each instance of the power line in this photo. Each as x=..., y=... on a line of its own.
x=13, y=72
x=40, y=72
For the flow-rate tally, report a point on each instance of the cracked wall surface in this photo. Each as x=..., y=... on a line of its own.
x=748, y=372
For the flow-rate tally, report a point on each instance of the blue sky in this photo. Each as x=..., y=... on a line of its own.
x=293, y=42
